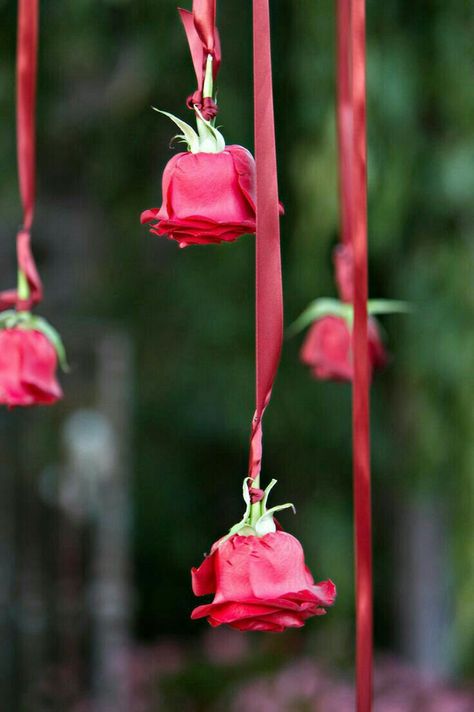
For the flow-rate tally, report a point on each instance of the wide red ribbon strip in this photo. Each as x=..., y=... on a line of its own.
x=361, y=380
x=204, y=12
x=269, y=297
x=203, y=39
x=26, y=62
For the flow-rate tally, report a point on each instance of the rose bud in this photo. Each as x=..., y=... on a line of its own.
x=208, y=190
x=259, y=577
x=327, y=349
x=30, y=350
x=207, y=198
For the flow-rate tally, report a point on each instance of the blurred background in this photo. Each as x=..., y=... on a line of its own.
x=108, y=499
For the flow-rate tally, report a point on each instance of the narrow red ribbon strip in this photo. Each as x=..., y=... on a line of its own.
x=26, y=59
x=269, y=297
x=344, y=117
x=361, y=381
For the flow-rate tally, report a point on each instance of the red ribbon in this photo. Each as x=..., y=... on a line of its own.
x=361, y=380
x=203, y=39
x=204, y=12
x=26, y=62
x=269, y=297
x=344, y=117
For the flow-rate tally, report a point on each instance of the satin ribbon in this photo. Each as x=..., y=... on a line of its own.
x=344, y=117
x=269, y=297
x=361, y=380
x=204, y=12
x=26, y=70
x=203, y=39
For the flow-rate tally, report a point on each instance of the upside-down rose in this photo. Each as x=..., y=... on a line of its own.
x=208, y=191
x=260, y=583
x=207, y=197
x=28, y=363
x=259, y=578
x=327, y=348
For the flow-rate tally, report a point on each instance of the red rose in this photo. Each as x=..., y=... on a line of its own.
x=327, y=349
x=208, y=198
x=27, y=368
x=259, y=583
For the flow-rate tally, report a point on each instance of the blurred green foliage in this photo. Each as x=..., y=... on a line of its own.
x=101, y=148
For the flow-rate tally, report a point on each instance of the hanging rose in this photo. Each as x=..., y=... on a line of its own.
x=258, y=576
x=327, y=349
x=30, y=350
x=208, y=191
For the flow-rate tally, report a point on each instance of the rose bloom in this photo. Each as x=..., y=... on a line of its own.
x=28, y=364
x=327, y=349
x=208, y=198
x=259, y=583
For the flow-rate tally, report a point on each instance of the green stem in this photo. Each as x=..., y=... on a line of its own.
x=23, y=288
x=206, y=93
x=208, y=80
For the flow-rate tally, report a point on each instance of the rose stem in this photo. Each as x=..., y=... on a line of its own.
x=208, y=82
x=206, y=94
x=23, y=288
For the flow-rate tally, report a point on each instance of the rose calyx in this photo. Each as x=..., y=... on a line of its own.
x=207, y=139
x=320, y=308
x=257, y=519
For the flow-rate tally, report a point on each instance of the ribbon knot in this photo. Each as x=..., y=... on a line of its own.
x=256, y=494
x=206, y=105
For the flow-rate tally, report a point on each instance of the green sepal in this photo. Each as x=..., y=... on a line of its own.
x=10, y=318
x=40, y=324
x=266, y=523
x=207, y=140
x=210, y=139
x=319, y=309
x=267, y=491
x=189, y=135
x=388, y=306
x=333, y=307
x=245, y=519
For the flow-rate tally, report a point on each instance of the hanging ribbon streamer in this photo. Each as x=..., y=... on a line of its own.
x=203, y=39
x=361, y=380
x=27, y=52
x=344, y=117
x=269, y=297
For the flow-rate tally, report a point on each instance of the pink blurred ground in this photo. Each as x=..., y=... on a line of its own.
x=296, y=686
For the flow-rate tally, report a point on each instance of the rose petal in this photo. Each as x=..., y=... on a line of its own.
x=203, y=578
x=28, y=364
